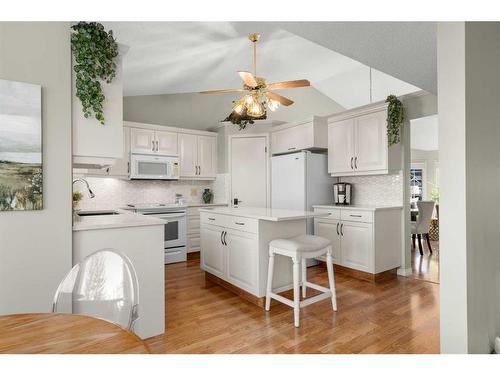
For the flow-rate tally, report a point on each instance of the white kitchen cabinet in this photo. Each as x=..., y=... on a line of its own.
x=367, y=240
x=122, y=166
x=329, y=228
x=96, y=145
x=357, y=143
x=193, y=227
x=213, y=256
x=242, y=259
x=357, y=245
x=153, y=142
x=305, y=135
x=198, y=156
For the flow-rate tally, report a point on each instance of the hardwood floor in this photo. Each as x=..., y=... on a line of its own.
x=426, y=267
x=394, y=316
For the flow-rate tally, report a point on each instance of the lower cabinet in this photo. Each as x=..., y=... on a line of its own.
x=213, y=256
x=231, y=255
x=368, y=241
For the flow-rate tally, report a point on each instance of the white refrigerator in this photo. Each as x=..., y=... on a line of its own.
x=299, y=181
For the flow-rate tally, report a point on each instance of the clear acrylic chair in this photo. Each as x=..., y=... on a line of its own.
x=103, y=285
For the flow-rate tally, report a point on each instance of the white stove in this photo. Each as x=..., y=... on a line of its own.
x=175, y=231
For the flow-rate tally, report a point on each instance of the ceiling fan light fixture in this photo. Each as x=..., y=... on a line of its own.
x=256, y=109
x=273, y=105
x=238, y=108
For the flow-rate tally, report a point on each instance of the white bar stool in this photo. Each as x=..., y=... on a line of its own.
x=300, y=249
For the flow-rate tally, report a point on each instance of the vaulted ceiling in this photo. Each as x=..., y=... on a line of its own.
x=184, y=57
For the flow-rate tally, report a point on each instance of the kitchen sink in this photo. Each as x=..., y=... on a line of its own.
x=97, y=213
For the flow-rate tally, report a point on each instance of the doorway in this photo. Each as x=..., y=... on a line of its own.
x=424, y=198
x=249, y=170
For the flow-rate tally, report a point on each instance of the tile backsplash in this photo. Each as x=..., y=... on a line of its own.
x=383, y=190
x=111, y=193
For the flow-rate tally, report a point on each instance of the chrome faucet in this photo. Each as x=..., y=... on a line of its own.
x=91, y=193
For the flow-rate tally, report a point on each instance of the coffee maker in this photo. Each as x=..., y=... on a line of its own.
x=342, y=193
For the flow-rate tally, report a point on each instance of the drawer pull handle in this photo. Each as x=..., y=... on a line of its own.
x=239, y=223
x=356, y=215
x=211, y=218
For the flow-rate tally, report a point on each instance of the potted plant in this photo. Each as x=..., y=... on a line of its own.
x=77, y=197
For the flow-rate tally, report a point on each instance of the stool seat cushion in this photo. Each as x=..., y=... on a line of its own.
x=303, y=243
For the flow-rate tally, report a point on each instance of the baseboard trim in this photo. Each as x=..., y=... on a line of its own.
x=404, y=271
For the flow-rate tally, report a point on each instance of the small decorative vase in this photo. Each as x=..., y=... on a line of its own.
x=207, y=196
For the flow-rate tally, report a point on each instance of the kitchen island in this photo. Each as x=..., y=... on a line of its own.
x=141, y=239
x=235, y=247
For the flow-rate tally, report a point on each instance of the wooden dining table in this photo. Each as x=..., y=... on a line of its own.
x=65, y=333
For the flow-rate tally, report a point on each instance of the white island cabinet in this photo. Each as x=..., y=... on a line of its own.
x=235, y=246
x=141, y=239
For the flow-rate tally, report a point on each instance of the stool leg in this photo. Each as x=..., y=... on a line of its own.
x=304, y=278
x=269, y=287
x=331, y=278
x=296, y=295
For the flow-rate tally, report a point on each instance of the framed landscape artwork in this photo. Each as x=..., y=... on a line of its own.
x=20, y=146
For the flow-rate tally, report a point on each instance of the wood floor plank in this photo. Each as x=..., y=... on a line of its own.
x=399, y=315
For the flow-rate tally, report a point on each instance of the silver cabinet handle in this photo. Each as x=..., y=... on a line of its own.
x=199, y=169
x=338, y=229
x=356, y=215
x=342, y=229
x=221, y=234
x=157, y=146
x=239, y=223
x=225, y=234
x=211, y=218
x=356, y=162
x=351, y=162
x=128, y=167
x=291, y=148
x=153, y=145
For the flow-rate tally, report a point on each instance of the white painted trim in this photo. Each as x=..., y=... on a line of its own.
x=355, y=112
x=268, y=164
x=421, y=164
x=404, y=271
x=313, y=119
x=224, y=124
x=141, y=125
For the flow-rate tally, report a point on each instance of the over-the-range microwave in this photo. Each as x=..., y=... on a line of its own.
x=153, y=167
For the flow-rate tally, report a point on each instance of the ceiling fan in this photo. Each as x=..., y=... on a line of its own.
x=252, y=106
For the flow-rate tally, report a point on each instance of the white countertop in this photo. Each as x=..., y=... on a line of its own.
x=122, y=220
x=205, y=204
x=356, y=207
x=261, y=213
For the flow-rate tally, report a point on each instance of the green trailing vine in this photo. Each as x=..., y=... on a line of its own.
x=395, y=118
x=95, y=51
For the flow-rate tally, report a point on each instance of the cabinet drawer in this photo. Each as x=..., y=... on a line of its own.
x=356, y=215
x=334, y=213
x=212, y=218
x=242, y=223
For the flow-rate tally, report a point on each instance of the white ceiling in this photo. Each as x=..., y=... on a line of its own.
x=184, y=57
x=424, y=133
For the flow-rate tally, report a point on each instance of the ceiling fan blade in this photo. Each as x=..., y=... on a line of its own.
x=248, y=78
x=288, y=84
x=220, y=91
x=279, y=98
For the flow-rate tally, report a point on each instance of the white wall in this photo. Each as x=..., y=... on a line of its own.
x=35, y=246
x=196, y=111
x=469, y=122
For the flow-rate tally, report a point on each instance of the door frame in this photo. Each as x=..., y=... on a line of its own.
x=268, y=164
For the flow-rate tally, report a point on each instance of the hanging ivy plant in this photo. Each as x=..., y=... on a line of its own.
x=395, y=118
x=95, y=51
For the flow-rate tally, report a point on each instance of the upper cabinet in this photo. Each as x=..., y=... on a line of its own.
x=198, y=156
x=357, y=143
x=154, y=142
x=94, y=144
x=305, y=135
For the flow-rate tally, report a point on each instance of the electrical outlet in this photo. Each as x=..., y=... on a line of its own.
x=194, y=192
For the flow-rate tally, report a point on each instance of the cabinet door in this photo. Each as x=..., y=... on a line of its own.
x=212, y=250
x=341, y=146
x=329, y=228
x=297, y=138
x=207, y=156
x=371, y=149
x=122, y=166
x=142, y=141
x=167, y=143
x=357, y=246
x=188, y=154
x=242, y=250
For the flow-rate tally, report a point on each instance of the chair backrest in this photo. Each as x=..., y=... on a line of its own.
x=425, y=210
x=103, y=285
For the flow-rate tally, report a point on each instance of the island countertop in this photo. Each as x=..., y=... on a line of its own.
x=123, y=219
x=262, y=213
